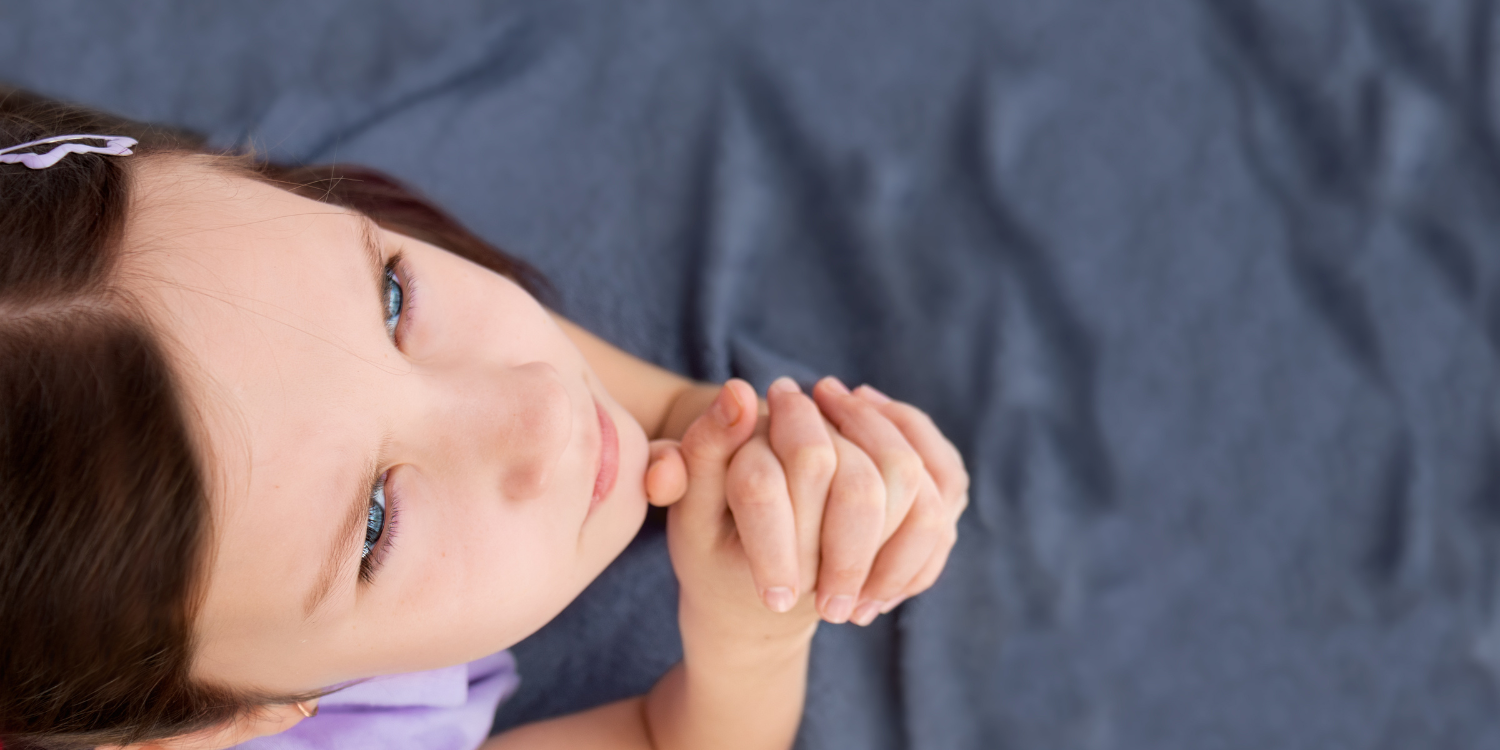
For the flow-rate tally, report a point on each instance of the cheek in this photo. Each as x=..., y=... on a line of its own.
x=481, y=579
x=467, y=325
x=507, y=549
x=461, y=309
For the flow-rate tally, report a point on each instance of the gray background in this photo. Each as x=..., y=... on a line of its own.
x=1207, y=291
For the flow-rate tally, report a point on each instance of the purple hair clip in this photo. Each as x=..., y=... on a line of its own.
x=114, y=145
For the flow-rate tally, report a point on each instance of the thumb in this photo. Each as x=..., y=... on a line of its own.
x=666, y=474
x=710, y=441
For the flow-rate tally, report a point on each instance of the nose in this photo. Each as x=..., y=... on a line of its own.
x=518, y=422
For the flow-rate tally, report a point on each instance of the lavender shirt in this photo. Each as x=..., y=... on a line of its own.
x=444, y=709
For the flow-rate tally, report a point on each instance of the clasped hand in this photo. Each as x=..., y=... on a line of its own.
x=852, y=496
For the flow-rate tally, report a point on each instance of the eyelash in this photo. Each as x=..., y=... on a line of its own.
x=375, y=550
x=398, y=277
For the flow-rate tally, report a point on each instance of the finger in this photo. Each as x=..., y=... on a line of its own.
x=930, y=572
x=800, y=438
x=853, y=526
x=706, y=448
x=939, y=455
x=757, y=495
x=666, y=474
x=858, y=420
x=943, y=461
x=904, y=555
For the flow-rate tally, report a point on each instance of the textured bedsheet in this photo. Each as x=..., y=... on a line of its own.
x=1207, y=291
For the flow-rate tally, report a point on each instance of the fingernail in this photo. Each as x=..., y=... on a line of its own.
x=726, y=407
x=780, y=598
x=870, y=394
x=838, y=609
x=867, y=613
x=784, y=384
x=836, y=385
x=892, y=604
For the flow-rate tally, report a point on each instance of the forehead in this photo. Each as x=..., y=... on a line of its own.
x=251, y=286
x=190, y=219
x=269, y=310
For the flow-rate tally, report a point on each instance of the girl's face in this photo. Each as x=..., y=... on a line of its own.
x=330, y=367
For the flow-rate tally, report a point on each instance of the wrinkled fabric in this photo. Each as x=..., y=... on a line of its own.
x=441, y=709
x=1206, y=291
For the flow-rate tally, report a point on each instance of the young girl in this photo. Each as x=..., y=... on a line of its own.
x=271, y=433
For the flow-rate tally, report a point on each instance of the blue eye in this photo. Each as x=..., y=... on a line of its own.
x=395, y=299
x=375, y=521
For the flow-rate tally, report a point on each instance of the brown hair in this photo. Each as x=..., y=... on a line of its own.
x=104, y=518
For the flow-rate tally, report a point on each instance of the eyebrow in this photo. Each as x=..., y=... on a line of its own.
x=336, y=562
x=369, y=241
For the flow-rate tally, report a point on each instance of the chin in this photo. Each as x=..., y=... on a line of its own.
x=630, y=487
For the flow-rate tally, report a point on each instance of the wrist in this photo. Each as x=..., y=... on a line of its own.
x=745, y=664
x=740, y=639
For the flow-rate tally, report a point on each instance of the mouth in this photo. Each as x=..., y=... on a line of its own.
x=609, y=457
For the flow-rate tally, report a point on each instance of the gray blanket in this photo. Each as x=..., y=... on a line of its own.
x=1207, y=292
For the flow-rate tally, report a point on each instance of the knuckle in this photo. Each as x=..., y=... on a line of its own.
x=860, y=410
x=697, y=448
x=947, y=537
x=904, y=469
x=750, y=498
x=862, y=489
x=929, y=519
x=963, y=486
x=960, y=476
x=760, y=475
x=881, y=589
x=844, y=576
x=913, y=471
x=960, y=504
x=692, y=450
x=754, y=459
x=954, y=484
x=753, y=485
x=814, y=460
x=930, y=575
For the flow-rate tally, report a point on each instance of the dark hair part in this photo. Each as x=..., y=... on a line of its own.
x=104, y=516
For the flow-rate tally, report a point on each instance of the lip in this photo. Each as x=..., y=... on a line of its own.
x=609, y=457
